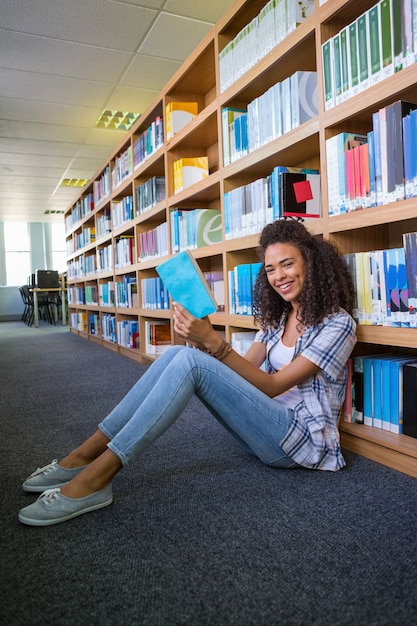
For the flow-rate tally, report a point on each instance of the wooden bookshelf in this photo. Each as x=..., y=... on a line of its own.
x=199, y=80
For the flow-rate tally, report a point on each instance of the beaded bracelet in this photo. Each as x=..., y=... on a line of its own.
x=222, y=352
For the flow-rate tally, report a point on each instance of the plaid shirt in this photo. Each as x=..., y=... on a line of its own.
x=313, y=437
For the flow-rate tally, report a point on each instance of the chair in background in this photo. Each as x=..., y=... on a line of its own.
x=44, y=307
x=28, y=312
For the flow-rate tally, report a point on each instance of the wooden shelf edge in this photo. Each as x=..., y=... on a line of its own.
x=398, y=452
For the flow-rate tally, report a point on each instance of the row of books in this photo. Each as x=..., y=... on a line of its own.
x=380, y=42
x=241, y=341
x=122, y=167
x=108, y=327
x=386, y=285
x=381, y=392
x=103, y=223
x=126, y=292
x=76, y=295
x=84, y=238
x=128, y=334
x=106, y=294
x=157, y=336
x=81, y=208
x=195, y=228
x=90, y=264
x=104, y=260
x=148, y=142
x=154, y=294
x=149, y=193
x=153, y=243
x=248, y=209
x=241, y=283
x=122, y=211
x=286, y=192
x=178, y=115
x=188, y=171
x=124, y=251
x=276, y=20
x=380, y=167
x=102, y=187
x=283, y=107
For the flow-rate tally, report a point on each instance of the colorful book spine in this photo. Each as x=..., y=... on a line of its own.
x=374, y=43
x=188, y=171
x=410, y=252
x=386, y=37
x=178, y=115
x=229, y=114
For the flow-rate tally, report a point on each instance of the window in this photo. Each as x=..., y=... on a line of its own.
x=17, y=252
x=59, y=252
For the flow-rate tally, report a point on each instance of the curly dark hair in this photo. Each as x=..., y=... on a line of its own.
x=328, y=284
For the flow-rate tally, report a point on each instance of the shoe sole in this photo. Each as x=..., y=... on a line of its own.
x=37, y=489
x=49, y=522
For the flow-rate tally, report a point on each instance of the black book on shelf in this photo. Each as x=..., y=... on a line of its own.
x=300, y=194
x=410, y=399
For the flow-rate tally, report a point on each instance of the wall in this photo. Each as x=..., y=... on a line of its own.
x=11, y=305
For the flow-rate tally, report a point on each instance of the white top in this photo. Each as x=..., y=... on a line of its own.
x=279, y=356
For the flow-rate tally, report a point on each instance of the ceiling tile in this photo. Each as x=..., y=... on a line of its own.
x=150, y=4
x=131, y=99
x=42, y=132
x=57, y=89
x=97, y=22
x=173, y=37
x=61, y=58
x=37, y=147
x=47, y=112
x=149, y=72
x=198, y=9
x=14, y=159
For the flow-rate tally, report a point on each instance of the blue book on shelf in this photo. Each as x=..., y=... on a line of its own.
x=413, y=135
x=368, y=394
x=407, y=154
x=187, y=284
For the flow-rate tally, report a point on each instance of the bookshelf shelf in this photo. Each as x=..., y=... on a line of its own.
x=199, y=80
x=396, y=451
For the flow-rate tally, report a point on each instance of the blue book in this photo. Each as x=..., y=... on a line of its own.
x=368, y=394
x=410, y=252
x=187, y=284
x=377, y=156
x=387, y=384
x=413, y=135
x=392, y=292
x=371, y=162
x=377, y=392
x=243, y=288
x=408, y=166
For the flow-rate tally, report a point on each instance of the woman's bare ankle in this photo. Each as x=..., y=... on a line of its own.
x=88, y=452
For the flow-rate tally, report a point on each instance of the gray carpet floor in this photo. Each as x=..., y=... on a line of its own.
x=199, y=533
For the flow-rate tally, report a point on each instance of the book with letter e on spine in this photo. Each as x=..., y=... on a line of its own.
x=187, y=284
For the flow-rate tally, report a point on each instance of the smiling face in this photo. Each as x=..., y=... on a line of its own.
x=286, y=271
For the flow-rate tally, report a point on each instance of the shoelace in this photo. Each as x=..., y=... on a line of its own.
x=50, y=496
x=51, y=467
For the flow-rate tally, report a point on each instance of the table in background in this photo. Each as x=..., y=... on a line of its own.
x=62, y=290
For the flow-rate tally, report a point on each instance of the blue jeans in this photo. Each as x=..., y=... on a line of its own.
x=153, y=404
